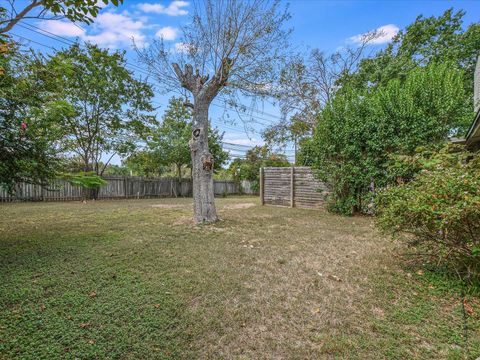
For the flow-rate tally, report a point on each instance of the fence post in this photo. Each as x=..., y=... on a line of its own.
x=262, y=190
x=292, y=180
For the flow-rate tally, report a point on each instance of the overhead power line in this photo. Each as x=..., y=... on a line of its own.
x=64, y=40
x=225, y=103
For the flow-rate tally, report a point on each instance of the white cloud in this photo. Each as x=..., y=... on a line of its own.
x=62, y=28
x=116, y=30
x=385, y=35
x=109, y=30
x=167, y=33
x=174, y=9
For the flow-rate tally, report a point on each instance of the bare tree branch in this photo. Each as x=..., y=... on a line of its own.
x=16, y=17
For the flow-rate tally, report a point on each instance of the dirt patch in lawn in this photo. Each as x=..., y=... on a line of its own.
x=239, y=206
x=170, y=206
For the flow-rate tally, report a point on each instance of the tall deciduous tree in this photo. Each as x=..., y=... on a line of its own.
x=31, y=107
x=427, y=40
x=144, y=163
x=228, y=45
x=307, y=83
x=111, y=107
x=294, y=130
x=169, y=142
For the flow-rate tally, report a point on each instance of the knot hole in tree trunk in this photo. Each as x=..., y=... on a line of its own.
x=194, y=142
x=207, y=161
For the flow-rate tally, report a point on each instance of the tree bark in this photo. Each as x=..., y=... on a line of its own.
x=202, y=160
x=179, y=172
x=202, y=165
x=87, y=194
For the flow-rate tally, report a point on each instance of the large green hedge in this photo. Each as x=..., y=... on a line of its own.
x=359, y=129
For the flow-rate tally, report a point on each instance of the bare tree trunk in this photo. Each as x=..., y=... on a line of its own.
x=202, y=166
x=86, y=195
x=179, y=172
x=202, y=160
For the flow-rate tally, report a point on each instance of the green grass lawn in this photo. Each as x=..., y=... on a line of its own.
x=137, y=280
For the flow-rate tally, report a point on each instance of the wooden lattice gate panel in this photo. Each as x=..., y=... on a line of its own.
x=291, y=186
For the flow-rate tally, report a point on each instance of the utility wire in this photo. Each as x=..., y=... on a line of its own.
x=225, y=102
x=67, y=41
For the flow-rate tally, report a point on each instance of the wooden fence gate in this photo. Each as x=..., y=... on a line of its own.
x=291, y=186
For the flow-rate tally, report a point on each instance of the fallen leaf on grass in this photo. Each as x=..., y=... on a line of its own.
x=85, y=325
x=336, y=278
x=93, y=294
x=157, y=306
x=468, y=307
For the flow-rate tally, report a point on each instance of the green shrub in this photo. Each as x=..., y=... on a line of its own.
x=255, y=158
x=86, y=180
x=359, y=130
x=438, y=211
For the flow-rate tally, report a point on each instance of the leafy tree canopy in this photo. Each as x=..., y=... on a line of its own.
x=111, y=107
x=31, y=109
x=168, y=143
x=144, y=163
x=427, y=40
x=85, y=180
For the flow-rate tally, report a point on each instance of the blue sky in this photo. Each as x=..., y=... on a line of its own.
x=327, y=25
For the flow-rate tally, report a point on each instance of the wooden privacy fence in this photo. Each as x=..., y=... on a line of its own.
x=291, y=186
x=119, y=187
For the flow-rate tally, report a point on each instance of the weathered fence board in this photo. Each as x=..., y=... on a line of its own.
x=291, y=186
x=120, y=187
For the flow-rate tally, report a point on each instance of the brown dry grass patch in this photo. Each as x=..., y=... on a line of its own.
x=262, y=283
